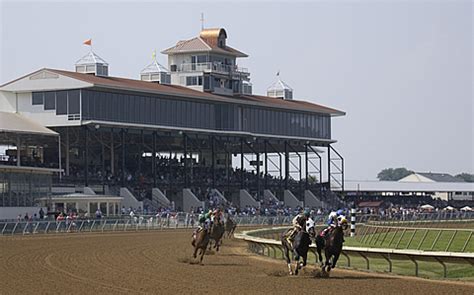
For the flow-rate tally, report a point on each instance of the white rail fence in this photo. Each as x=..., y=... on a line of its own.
x=273, y=248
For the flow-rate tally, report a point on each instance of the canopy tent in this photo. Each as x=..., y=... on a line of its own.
x=466, y=208
x=427, y=207
x=449, y=208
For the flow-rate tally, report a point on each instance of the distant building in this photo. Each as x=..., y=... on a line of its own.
x=429, y=177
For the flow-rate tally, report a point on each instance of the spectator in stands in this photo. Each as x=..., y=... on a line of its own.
x=98, y=214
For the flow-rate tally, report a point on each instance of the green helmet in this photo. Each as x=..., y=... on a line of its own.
x=306, y=213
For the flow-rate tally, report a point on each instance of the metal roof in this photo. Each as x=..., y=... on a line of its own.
x=154, y=67
x=147, y=87
x=197, y=44
x=16, y=123
x=396, y=186
x=279, y=85
x=91, y=58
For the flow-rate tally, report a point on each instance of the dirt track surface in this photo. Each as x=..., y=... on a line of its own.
x=158, y=263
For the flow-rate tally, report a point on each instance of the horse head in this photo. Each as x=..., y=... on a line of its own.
x=342, y=222
x=310, y=228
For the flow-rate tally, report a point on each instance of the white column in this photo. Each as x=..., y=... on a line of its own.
x=107, y=209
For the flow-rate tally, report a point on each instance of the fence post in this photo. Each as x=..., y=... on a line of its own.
x=389, y=260
x=467, y=242
x=445, y=270
x=422, y=239
x=451, y=240
x=366, y=260
x=353, y=221
x=436, y=240
x=348, y=258
x=411, y=238
x=401, y=237
x=416, y=264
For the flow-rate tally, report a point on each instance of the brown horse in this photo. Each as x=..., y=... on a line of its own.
x=216, y=234
x=299, y=247
x=332, y=246
x=230, y=227
x=200, y=243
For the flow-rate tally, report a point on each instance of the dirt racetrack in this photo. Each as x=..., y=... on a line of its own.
x=158, y=263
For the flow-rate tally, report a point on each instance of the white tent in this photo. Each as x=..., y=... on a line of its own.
x=467, y=208
x=427, y=207
x=449, y=208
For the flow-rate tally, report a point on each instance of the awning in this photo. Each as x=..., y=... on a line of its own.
x=16, y=123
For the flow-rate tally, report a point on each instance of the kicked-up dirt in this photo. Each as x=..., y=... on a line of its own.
x=161, y=263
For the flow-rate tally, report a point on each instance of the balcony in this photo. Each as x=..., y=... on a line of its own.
x=211, y=67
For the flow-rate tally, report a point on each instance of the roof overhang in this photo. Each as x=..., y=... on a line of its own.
x=19, y=124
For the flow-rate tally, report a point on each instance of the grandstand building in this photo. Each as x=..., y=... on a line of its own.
x=174, y=136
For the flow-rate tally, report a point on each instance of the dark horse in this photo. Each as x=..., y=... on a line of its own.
x=216, y=234
x=300, y=246
x=230, y=226
x=332, y=246
x=200, y=243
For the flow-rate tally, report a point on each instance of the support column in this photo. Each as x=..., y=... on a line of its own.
x=153, y=159
x=265, y=181
x=306, y=166
x=112, y=153
x=59, y=158
x=104, y=176
x=67, y=152
x=241, y=163
x=213, y=161
x=123, y=156
x=185, y=146
x=329, y=167
x=18, y=152
x=258, y=175
x=287, y=165
x=86, y=156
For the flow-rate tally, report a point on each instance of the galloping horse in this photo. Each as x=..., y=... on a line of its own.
x=200, y=243
x=230, y=226
x=300, y=246
x=332, y=245
x=216, y=233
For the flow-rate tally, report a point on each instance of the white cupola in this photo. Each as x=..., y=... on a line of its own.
x=91, y=63
x=280, y=89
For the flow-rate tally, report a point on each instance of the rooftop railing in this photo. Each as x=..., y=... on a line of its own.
x=211, y=67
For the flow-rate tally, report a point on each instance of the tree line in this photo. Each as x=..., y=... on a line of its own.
x=395, y=174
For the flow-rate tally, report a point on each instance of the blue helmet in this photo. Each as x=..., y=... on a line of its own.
x=340, y=212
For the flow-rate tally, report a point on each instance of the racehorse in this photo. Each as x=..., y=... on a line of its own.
x=300, y=246
x=200, y=243
x=230, y=227
x=332, y=245
x=216, y=234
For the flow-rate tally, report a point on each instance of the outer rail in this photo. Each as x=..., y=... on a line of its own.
x=268, y=246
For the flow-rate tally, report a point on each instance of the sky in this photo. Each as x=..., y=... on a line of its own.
x=401, y=70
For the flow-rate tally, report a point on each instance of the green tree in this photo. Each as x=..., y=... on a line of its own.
x=393, y=174
x=466, y=177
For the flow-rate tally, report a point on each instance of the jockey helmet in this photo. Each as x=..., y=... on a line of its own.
x=340, y=212
x=306, y=213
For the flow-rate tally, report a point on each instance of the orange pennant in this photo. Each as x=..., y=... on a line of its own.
x=88, y=42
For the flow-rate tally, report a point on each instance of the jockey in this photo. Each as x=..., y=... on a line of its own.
x=217, y=215
x=299, y=222
x=334, y=218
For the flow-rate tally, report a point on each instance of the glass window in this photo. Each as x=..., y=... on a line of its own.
x=73, y=101
x=61, y=103
x=49, y=100
x=37, y=98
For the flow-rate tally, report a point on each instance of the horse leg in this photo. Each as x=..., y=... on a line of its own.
x=334, y=260
x=195, y=252
x=287, y=256
x=203, y=251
